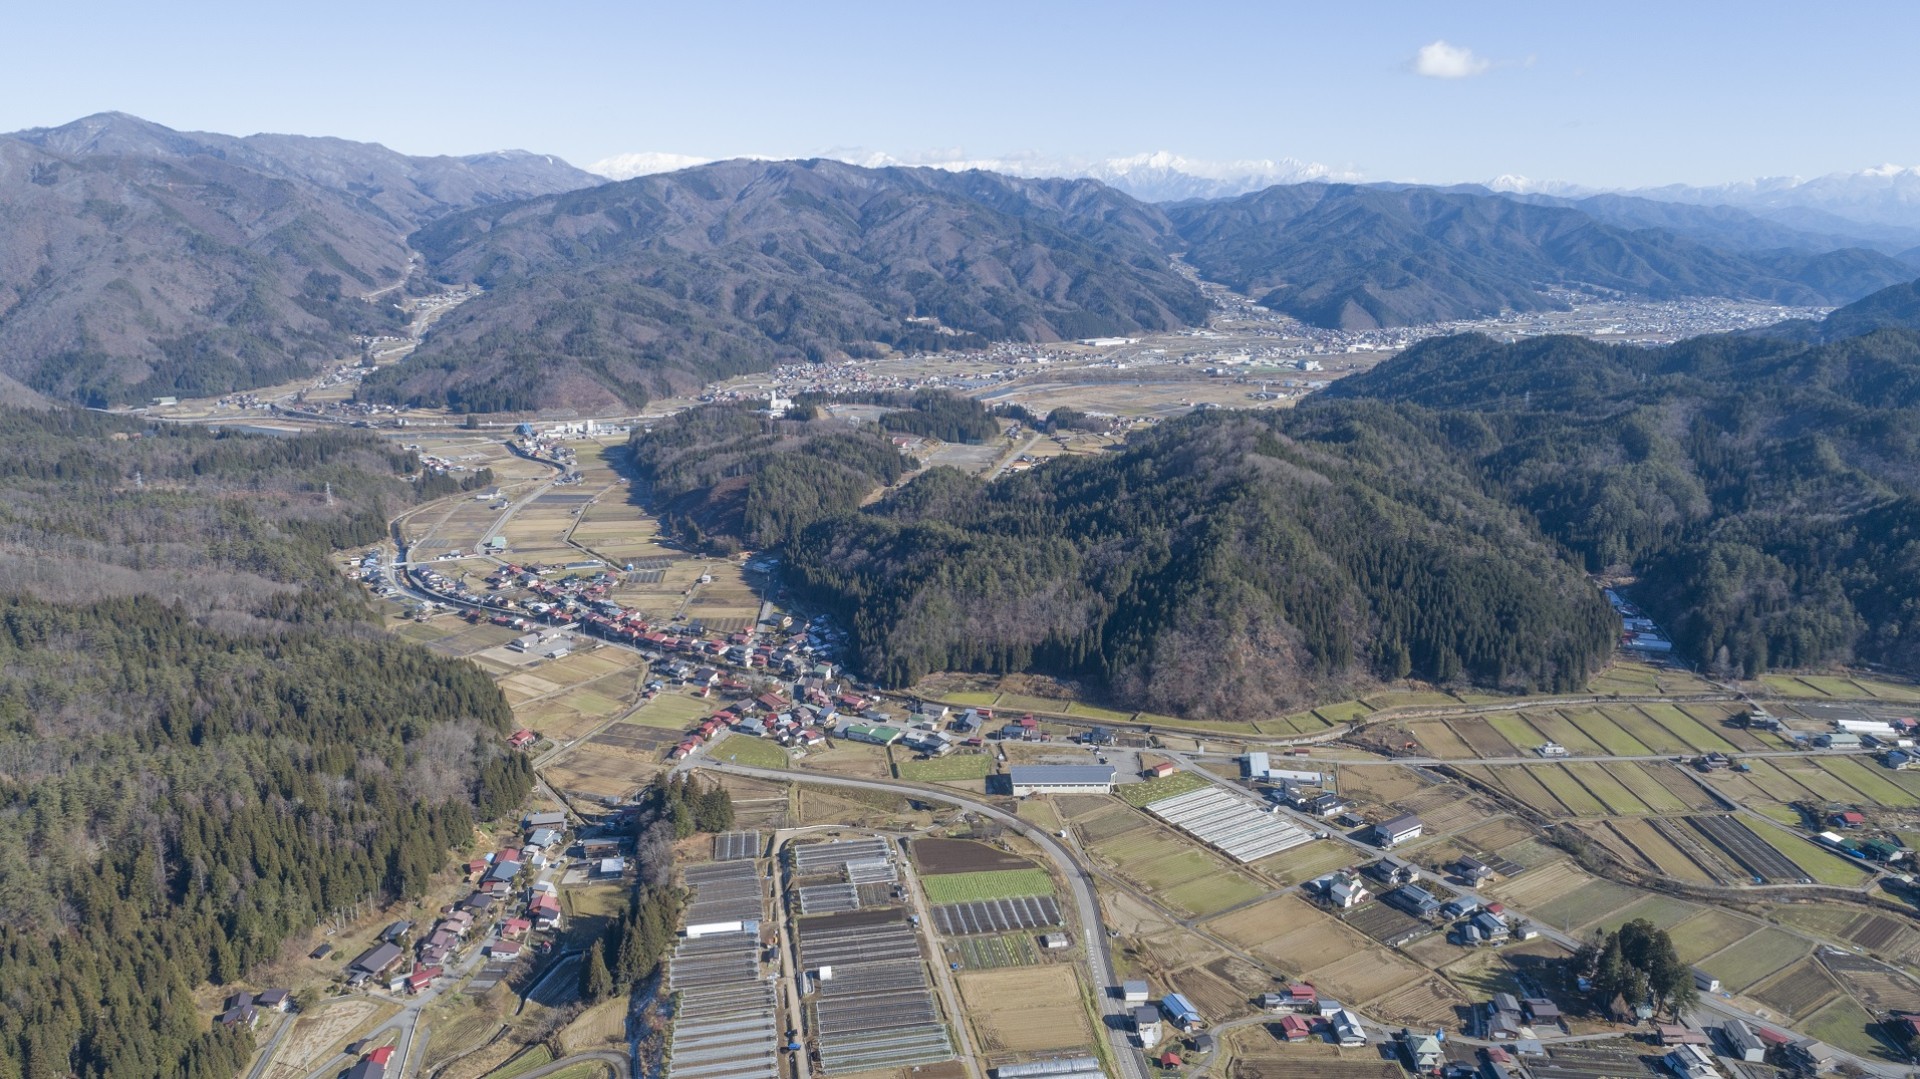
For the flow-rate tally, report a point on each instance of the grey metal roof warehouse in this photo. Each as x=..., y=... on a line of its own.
x=1046, y=775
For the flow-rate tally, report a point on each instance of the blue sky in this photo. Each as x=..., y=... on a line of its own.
x=1618, y=94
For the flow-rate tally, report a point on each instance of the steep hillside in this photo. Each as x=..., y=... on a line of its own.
x=602, y=298
x=1363, y=257
x=146, y=261
x=1221, y=566
x=1766, y=488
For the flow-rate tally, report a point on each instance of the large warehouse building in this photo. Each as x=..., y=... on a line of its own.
x=1061, y=779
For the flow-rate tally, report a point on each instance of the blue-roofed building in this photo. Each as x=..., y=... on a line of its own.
x=1180, y=1011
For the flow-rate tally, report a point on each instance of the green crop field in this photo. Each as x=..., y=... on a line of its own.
x=1845, y=1025
x=1515, y=729
x=964, y=766
x=1695, y=733
x=1754, y=957
x=1561, y=730
x=1619, y=800
x=1821, y=865
x=1655, y=797
x=1091, y=712
x=987, y=884
x=752, y=752
x=1590, y=903
x=1568, y=789
x=1643, y=729
x=1872, y=781
x=1608, y=734
x=535, y=1057
x=1661, y=910
x=1153, y=790
x=1708, y=932
x=988, y=953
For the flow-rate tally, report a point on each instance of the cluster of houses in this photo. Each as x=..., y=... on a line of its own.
x=1304, y=1015
x=1637, y=631
x=496, y=888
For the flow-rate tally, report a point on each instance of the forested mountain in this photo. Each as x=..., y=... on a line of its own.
x=1763, y=487
x=599, y=299
x=1222, y=566
x=207, y=747
x=145, y=261
x=1361, y=257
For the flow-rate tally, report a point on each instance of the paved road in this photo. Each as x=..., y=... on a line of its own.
x=617, y=1061
x=1092, y=927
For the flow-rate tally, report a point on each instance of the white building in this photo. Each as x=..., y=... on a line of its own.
x=1061, y=779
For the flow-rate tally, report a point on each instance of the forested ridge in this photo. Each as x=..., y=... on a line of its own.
x=1434, y=518
x=1763, y=487
x=1221, y=566
x=205, y=746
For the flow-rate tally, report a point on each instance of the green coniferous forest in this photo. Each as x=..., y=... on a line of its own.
x=207, y=744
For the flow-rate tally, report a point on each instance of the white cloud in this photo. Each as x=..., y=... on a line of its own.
x=1441, y=60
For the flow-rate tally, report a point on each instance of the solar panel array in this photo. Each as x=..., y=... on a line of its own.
x=724, y=1026
x=1239, y=829
x=828, y=898
x=725, y=892
x=996, y=915
x=877, y=1010
x=735, y=846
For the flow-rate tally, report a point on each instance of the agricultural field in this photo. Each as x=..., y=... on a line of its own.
x=1539, y=885
x=1827, y=687
x=1753, y=958
x=1030, y=1010
x=1879, y=933
x=1428, y=1003
x=1708, y=932
x=1177, y=871
x=1637, y=679
x=751, y=752
x=992, y=953
x=956, y=767
x=614, y=763
x=1798, y=991
x=318, y=1036
x=1663, y=911
x=1290, y=933
x=1366, y=976
x=1650, y=845
x=1307, y=861
x=988, y=884
x=1846, y=1025
x=1258, y=1053
x=1152, y=790
x=937, y=856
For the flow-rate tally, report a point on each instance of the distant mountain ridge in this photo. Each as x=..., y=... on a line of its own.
x=602, y=298
x=146, y=261
x=1360, y=257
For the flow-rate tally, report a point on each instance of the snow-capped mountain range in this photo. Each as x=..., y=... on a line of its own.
x=1151, y=177
x=1886, y=196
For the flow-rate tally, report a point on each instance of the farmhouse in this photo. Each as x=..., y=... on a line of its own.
x=1347, y=1029
x=872, y=734
x=1061, y=779
x=1422, y=1051
x=1294, y=1029
x=1692, y=1062
x=1400, y=829
x=555, y=819
x=1160, y=771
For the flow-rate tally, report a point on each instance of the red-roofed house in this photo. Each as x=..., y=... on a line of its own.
x=522, y=738
x=381, y=1056
x=1295, y=1029
x=1169, y=1059
x=422, y=978
x=1161, y=770
x=1848, y=819
x=544, y=910
x=515, y=928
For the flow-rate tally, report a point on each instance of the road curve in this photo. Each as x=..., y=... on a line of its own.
x=1093, y=928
